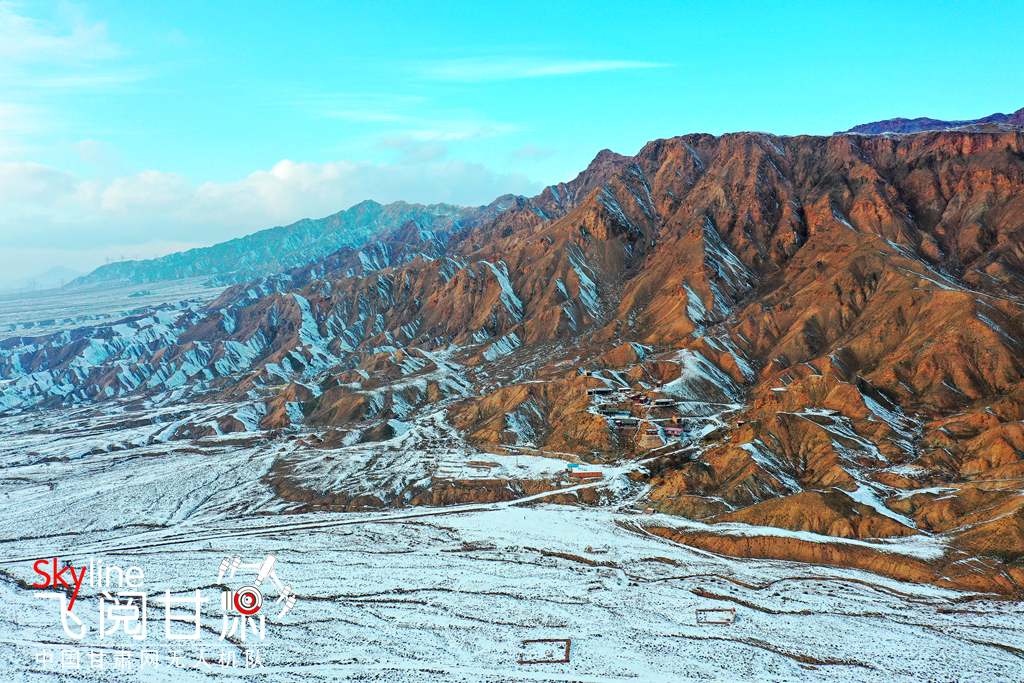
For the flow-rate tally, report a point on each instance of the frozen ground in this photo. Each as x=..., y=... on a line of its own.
x=425, y=594
x=39, y=313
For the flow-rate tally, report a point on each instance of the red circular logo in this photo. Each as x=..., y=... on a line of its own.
x=248, y=600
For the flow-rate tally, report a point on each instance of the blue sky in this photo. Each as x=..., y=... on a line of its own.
x=139, y=129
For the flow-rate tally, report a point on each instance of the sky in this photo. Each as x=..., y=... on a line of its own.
x=131, y=130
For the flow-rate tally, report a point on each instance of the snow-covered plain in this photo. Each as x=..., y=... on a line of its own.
x=432, y=594
x=33, y=314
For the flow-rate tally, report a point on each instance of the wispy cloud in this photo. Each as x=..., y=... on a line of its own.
x=26, y=40
x=93, y=81
x=59, y=56
x=532, y=153
x=412, y=150
x=507, y=68
x=415, y=127
x=44, y=61
x=418, y=116
x=357, y=107
x=17, y=121
x=30, y=184
x=452, y=130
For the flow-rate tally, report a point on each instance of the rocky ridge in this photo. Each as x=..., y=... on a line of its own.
x=280, y=249
x=821, y=335
x=923, y=123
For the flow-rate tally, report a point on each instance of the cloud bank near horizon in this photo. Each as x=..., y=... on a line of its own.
x=153, y=212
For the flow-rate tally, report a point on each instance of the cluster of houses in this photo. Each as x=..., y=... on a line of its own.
x=620, y=419
x=648, y=433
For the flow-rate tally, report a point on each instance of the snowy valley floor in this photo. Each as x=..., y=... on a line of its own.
x=427, y=594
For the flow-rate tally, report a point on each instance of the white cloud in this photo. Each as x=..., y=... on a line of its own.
x=147, y=191
x=29, y=184
x=293, y=190
x=27, y=40
x=507, y=68
x=41, y=206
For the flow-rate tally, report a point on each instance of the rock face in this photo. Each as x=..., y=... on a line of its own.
x=827, y=333
x=918, y=125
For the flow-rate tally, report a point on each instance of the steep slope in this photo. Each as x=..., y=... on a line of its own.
x=818, y=335
x=283, y=248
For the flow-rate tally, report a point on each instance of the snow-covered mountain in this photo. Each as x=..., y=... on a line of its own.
x=282, y=248
x=812, y=346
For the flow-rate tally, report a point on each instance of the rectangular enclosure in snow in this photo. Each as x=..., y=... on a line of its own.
x=716, y=617
x=546, y=651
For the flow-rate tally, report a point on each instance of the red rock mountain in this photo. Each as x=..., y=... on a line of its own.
x=836, y=320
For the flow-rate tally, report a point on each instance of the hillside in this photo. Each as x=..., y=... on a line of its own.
x=282, y=248
x=812, y=346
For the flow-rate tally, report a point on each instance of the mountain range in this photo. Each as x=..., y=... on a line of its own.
x=821, y=335
x=901, y=125
x=285, y=247
x=53, y=278
x=279, y=249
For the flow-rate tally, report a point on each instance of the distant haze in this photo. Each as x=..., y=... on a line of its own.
x=54, y=277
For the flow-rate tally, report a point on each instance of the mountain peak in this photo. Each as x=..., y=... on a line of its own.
x=604, y=159
x=923, y=123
